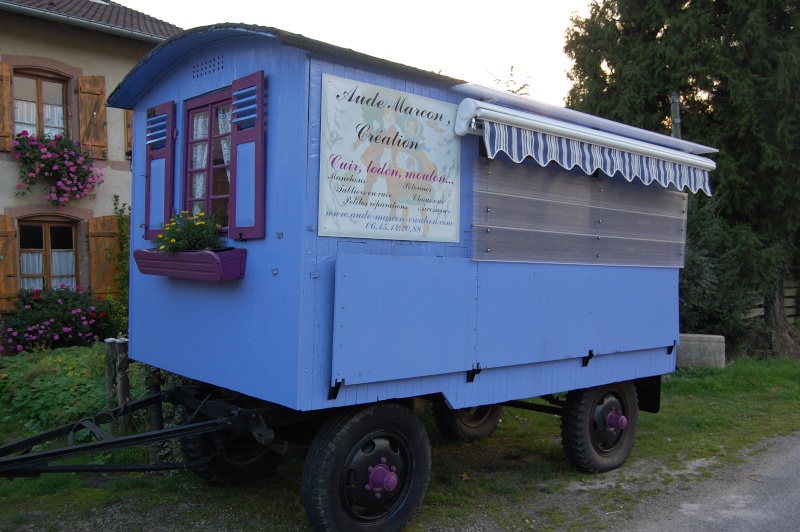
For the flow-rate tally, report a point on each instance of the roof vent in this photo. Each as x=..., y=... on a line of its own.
x=208, y=66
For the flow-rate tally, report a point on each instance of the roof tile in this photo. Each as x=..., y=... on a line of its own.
x=104, y=13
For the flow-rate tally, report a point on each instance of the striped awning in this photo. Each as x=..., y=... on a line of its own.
x=519, y=143
x=519, y=135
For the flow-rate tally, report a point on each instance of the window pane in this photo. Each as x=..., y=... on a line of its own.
x=53, y=93
x=222, y=124
x=197, y=207
x=31, y=262
x=32, y=282
x=24, y=89
x=66, y=281
x=199, y=126
x=219, y=208
x=198, y=185
x=220, y=185
x=25, y=118
x=54, y=116
x=53, y=131
x=61, y=237
x=62, y=263
x=31, y=236
x=199, y=155
x=222, y=150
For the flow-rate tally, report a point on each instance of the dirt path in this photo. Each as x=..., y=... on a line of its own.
x=761, y=494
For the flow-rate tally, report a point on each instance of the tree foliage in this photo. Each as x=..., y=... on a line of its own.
x=511, y=84
x=736, y=66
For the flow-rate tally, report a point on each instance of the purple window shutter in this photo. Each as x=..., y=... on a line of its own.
x=159, y=173
x=248, y=180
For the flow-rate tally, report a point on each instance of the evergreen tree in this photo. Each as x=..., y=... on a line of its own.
x=736, y=65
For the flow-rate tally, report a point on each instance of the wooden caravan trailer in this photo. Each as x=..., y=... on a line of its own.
x=396, y=234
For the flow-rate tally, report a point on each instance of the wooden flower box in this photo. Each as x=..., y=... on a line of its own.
x=204, y=265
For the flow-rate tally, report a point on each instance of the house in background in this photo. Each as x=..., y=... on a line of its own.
x=59, y=59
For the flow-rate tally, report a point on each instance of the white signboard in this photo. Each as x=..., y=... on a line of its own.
x=389, y=164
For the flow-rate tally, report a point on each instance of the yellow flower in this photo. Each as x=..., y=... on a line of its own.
x=161, y=247
x=199, y=223
x=172, y=241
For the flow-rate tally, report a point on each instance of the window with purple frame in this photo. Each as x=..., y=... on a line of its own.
x=208, y=157
x=223, y=154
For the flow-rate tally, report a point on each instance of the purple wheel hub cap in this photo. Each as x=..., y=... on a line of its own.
x=615, y=421
x=381, y=478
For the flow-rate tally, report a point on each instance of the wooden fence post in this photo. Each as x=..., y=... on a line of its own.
x=123, y=382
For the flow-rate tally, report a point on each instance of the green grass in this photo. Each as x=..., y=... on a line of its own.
x=514, y=480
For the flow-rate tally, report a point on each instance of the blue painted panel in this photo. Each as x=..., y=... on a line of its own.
x=402, y=316
x=496, y=385
x=538, y=312
x=157, y=181
x=245, y=184
x=534, y=380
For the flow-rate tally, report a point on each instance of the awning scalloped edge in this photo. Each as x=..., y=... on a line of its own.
x=519, y=143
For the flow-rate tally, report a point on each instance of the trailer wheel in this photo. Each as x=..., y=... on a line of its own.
x=466, y=424
x=367, y=469
x=598, y=426
x=228, y=459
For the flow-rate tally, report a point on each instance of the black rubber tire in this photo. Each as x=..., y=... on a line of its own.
x=588, y=444
x=230, y=459
x=466, y=424
x=342, y=461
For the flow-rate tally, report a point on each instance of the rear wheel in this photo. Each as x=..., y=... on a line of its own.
x=598, y=426
x=227, y=458
x=367, y=469
x=467, y=424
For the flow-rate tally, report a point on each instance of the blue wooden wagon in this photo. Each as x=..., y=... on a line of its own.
x=393, y=235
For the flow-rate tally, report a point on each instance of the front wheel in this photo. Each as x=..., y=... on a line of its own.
x=226, y=458
x=598, y=426
x=367, y=469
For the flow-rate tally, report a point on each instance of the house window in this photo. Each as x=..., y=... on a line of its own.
x=208, y=157
x=47, y=255
x=40, y=105
x=223, y=155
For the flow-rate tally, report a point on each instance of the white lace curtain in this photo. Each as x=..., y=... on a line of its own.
x=200, y=130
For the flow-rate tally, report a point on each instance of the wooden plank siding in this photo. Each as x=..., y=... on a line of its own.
x=789, y=303
x=790, y=300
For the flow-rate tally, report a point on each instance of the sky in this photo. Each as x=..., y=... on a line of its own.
x=476, y=44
